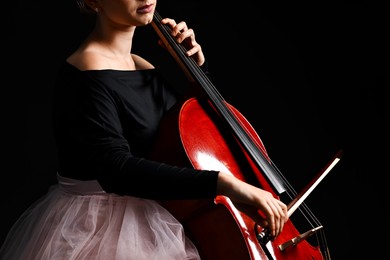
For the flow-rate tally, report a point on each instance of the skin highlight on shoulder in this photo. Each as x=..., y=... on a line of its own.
x=141, y=63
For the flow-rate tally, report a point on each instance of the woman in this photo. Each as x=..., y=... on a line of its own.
x=108, y=106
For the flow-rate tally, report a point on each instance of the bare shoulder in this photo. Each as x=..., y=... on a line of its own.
x=87, y=60
x=141, y=63
x=92, y=60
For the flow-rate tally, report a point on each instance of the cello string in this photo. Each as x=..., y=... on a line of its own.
x=219, y=103
x=291, y=193
x=189, y=61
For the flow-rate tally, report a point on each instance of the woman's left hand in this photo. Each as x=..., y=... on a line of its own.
x=186, y=37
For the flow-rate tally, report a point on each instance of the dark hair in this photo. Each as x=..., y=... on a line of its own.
x=84, y=8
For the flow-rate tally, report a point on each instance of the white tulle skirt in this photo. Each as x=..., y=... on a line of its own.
x=78, y=220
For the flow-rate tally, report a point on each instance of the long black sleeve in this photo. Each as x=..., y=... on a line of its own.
x=104, y=124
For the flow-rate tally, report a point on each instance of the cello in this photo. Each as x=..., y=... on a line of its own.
x=209, y=133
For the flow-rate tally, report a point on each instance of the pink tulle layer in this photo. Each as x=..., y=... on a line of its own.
x=77, y=220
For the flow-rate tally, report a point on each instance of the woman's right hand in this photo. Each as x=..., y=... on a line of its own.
x=250, y=200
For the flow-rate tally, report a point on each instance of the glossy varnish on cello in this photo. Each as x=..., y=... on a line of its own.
x=206, y=132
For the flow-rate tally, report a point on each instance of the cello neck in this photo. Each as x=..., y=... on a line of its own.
x=195, y=75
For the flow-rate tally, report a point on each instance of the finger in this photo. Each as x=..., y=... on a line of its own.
x=281, y=216
x=177, y=28
x=284, y=210
x=180, y=28
x=276, y=214
x=169, y=21
x=264, y=218
x=193, y=50
x=277, y=217
x=182, y=33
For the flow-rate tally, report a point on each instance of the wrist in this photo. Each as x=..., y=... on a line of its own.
x=224, y=183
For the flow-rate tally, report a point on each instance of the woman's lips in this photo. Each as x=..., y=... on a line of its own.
x=145, y=9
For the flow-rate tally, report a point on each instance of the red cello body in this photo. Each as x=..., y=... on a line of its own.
x=216, y=227
x=205, y=132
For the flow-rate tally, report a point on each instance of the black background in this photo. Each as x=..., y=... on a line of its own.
x=311, y=78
